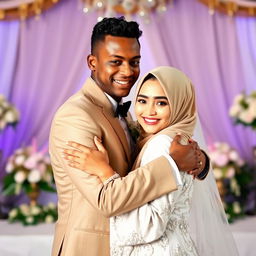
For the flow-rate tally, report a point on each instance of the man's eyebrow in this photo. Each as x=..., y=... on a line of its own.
x=121, y=57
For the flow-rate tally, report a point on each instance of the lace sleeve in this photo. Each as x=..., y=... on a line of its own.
x=148, y=222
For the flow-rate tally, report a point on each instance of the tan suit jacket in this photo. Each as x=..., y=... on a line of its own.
x=84, y=204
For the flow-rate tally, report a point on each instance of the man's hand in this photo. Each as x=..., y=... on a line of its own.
x=188, y=158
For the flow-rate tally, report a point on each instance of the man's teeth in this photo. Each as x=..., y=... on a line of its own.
x=121, y=82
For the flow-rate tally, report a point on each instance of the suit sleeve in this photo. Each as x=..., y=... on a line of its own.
x=148, y=222
x=122, y=195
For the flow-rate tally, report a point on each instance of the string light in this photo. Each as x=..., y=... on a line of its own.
x=128, y=8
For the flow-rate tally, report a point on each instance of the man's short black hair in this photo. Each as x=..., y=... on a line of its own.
x=114, y=27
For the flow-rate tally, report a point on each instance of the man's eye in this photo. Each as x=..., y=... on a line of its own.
x=135, y=63
x=115, y=62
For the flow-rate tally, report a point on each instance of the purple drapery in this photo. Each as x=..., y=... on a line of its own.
x=51, y=65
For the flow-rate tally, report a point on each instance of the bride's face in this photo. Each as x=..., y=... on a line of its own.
x=152, y=108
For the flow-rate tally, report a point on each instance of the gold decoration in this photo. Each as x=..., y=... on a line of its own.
x=231, y=7
x=2, y=14
x=38, y=4
x=25, y=10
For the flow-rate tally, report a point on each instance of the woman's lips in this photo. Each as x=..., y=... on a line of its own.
x=150, y=121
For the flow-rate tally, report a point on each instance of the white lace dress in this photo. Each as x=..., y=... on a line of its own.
x=159, y=227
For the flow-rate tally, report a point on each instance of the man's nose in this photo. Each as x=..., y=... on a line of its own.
x=126, y=69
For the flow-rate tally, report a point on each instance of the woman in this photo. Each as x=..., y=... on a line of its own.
x=165, y=106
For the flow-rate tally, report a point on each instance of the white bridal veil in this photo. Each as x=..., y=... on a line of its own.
x=208, y=221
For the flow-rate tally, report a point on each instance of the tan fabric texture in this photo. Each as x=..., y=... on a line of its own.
x=84, y=203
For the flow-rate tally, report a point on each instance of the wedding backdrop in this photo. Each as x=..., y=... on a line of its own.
x=43, y=62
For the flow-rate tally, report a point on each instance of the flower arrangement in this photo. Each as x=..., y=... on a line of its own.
x=243, y=109
x=232, y=177
x=9, y=115
x=33, y=214
x=28, y=170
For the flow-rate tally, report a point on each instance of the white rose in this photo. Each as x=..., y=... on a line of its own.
x=252, y=108
x=51, y=205
x=30, y=219
x=235, y=110
x=25, y=209
x=49, y=219
x=9, y=167
x=217, y=173
x=233, y=155
x=20, y=159
x=20, y=177
x=34, y=176
x=246, y=116
x=13, y=213
x=238, y=98
x=35, y=210
x=10, y=116
x=236, y=208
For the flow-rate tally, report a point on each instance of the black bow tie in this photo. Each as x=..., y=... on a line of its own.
x=122, y=110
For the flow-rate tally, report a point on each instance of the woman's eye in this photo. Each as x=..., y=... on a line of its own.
x=142, y=101
x=162, y=103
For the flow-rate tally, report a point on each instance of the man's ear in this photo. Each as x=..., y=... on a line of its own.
x=91, y=62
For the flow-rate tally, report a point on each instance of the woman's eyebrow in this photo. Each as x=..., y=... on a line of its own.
x=156, y=97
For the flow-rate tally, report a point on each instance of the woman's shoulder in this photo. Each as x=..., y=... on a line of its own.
x=160, y=139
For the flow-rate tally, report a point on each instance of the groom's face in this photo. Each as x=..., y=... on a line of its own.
x=115, y=65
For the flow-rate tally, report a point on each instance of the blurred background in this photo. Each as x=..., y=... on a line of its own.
x=43, y=50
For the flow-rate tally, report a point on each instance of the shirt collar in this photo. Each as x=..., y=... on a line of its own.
x=112, y=101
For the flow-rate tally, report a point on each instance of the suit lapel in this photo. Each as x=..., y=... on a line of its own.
x=92, y=90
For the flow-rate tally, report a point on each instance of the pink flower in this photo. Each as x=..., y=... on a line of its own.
x=31, y=162
x=221, y=159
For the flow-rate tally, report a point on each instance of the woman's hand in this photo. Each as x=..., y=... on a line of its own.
x=92, y=161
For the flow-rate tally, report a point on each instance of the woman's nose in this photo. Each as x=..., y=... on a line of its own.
x=151, y=110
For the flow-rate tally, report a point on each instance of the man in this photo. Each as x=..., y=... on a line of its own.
x=84, y=203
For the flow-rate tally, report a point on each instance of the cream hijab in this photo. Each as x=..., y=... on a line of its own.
x=181, y=97
x=208, y=223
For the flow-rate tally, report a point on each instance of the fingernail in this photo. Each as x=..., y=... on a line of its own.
x=98, y=139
